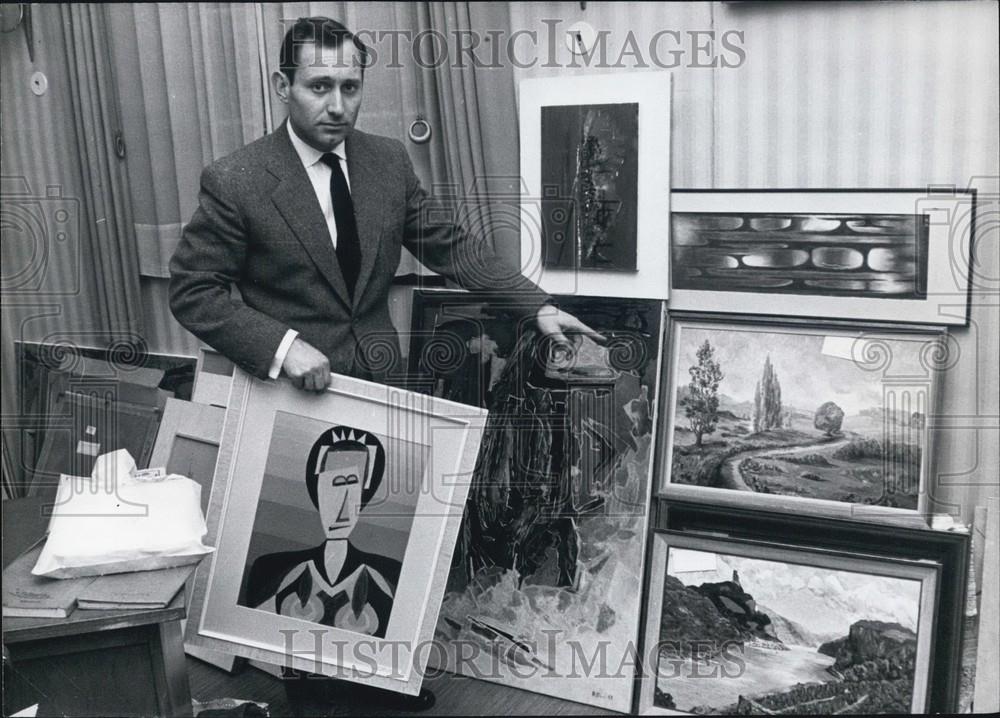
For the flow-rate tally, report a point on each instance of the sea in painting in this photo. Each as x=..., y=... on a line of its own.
x=741, y=635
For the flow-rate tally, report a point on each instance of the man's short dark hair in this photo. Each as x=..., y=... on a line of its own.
x=324, y=32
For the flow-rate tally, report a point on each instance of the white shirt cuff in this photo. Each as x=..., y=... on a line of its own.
x=279, y=356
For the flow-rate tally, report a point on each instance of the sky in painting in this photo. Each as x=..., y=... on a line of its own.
x=807, y=375
x=820, y=599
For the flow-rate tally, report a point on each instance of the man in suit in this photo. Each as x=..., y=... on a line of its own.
x=308, y=223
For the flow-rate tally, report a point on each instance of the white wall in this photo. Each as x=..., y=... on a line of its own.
x=840, y=94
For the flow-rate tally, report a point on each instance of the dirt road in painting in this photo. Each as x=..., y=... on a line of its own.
x=730, y=476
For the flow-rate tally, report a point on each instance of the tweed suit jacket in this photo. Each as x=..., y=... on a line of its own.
x=259, y=227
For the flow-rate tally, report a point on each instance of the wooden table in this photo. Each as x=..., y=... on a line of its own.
x=92, y=663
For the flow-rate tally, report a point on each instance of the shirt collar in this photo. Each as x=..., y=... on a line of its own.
x=309, y=154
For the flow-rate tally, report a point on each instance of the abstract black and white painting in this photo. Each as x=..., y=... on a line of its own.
x=741, y=629
x=595, y=183
x=853, y=255
x=883, y=255
x=548, y=568
x=590, y=173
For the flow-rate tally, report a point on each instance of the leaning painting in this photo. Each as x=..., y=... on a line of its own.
x=595, y=191
x=891, y=255
x=334, y=517
x=771, y=411
x=745, y=628
x=590, y=161
x=545, y=586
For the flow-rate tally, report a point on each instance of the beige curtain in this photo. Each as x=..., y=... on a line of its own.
x=70, y=270
x=191, y=90
x=190, y=85
x=106, y=204
x=476, y=114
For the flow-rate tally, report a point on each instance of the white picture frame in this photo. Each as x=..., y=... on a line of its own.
x=924, y=278
x=442, y=436
x=651, y=92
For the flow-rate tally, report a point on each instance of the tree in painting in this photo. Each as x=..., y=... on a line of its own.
x=701, y=405
x=829, y=418
x=767, y=400
x=787, y=418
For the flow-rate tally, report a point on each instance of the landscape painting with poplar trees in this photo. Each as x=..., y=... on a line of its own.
x=775, y=411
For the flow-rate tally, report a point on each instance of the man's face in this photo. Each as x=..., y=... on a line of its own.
x=338, y=491
x=324, y=100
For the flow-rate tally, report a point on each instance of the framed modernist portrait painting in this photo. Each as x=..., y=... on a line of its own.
x=548, y=569
x=738, y=627
x=334, y=517
x=595, y=162
x=885, y=255
x=798, y=415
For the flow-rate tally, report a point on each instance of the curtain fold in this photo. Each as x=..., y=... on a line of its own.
x=191, y=92
x=476, y=113
x=107, y=206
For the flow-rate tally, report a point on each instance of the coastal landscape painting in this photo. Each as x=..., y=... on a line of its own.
x=800, y=411
x=753, y=629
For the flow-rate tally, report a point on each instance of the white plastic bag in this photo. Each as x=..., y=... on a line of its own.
x=114, y=522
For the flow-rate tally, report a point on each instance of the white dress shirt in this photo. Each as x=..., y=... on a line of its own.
x=319, y=176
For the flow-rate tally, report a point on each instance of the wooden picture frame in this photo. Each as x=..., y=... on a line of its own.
x=213, y=376
x=898, y=255
x=46, y=371
x=614, y=206
x=948, y=550
x=85, y=426
x=782, y=626
x=188, y=444
x=859, y=394
x=415, y=456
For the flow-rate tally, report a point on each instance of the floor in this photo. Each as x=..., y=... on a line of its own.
x=455, y=695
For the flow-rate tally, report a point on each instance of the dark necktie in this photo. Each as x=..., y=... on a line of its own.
x=348, y=244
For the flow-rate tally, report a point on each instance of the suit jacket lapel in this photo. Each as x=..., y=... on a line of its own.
x=296, y=201
x=368, y=213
